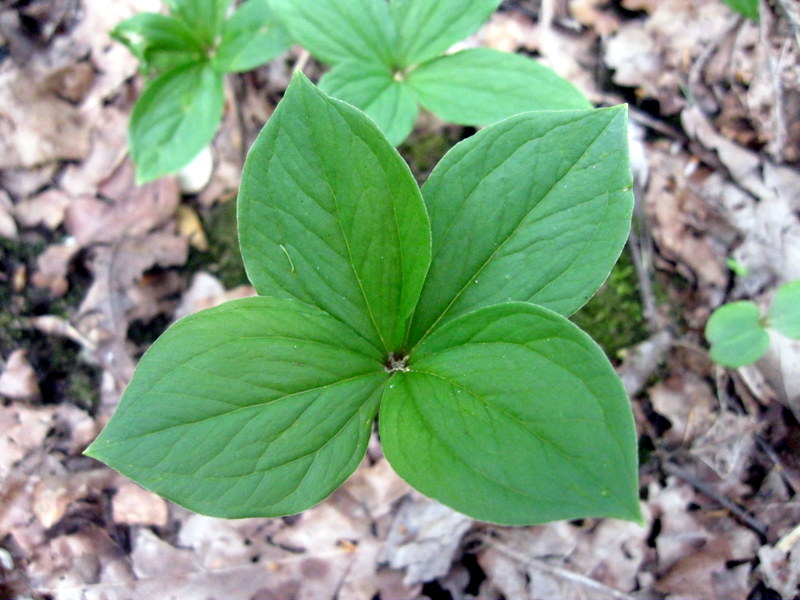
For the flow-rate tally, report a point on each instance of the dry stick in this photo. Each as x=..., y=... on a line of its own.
x=540, y=565
x=649, y=121
x=696, y=70
x=791, y=10
x=741, y=514
x=301, y=63
x=766, y=18
x=788, y=474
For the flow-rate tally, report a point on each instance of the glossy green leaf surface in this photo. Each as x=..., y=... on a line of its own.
x=204, y=17
x=513, y=415
x=748, y=8
x=372, y=88
x=174, y=119
x=330, y=214
x=736, y=334
x=335, y=31
x=160, y=42
x=784, y=314
x=251, y=37
x=482, y=86
x=534, y=208
x=259, y=407
x=425, y=29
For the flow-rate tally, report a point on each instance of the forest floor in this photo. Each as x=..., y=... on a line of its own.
x=94, y=268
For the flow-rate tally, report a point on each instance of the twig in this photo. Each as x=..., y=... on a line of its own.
x=696, y=70
x=541, y=565
x=650, y=121
x=301, y=63
x=767, y=19
x=791, y=10
x=741, y=514
x=787, y=474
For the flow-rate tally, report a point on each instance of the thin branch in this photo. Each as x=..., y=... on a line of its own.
x=561, y=573
x=702, y=487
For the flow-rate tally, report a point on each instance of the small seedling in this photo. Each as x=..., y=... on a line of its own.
x=441, y=311
x=738, y=333
x=189, y=52
x=387, y=59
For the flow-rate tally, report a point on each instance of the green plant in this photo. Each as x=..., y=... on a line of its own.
x=738, y=333
x=387, y=59
x=188, y=52
x=747, y=8
x=441, y=310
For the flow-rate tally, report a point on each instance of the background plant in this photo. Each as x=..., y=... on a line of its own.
x=387, y=60
x=187, y=53
x=442, y=310
x=738, y=332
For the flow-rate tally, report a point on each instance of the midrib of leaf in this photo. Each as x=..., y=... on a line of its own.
x=174, y=124
x=458, y=456
x=345, y=238
x=344, y=41
x=429, y=10
x=249, y=407
x=358, y=278
x=285, y=242
x=313, y=453
x=516, y=229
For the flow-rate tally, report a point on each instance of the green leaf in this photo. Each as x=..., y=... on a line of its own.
x=513, y=415
x=251, y=37
x=425, y=29
x=748, y=8
x=204, y=17
x=736, y=334
x=372, y=88
x=335, y=31
x=160, y=42
x=330, y=214
x=260, y=407
x=784, y=314
x=174, y=119
x=535, y=208
x=481, y=86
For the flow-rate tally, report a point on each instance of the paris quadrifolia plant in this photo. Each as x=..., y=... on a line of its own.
x=388, y=58
x=186, y=54
x=440, y=312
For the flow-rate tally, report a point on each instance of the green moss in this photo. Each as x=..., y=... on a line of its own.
x=62, y=375
x=423, y=152
x=613, y=317
x=223, y=258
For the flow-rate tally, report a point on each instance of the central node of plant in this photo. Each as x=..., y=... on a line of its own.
x=396, y=361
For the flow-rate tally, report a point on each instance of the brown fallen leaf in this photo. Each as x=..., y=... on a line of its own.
x=424, y=539
x=131, y=211
x=688, y=402
x=727, y=446
x=780, y=569
x=52, y=267
x=8, y=226
x=133, y=505
x=24, y=430
x=109, y=146
x=46, y=209
x=18, y=380
x=680, y=220
x=36, y=125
